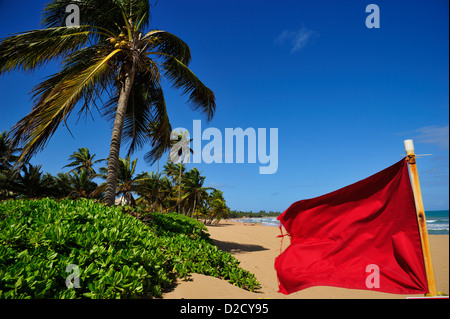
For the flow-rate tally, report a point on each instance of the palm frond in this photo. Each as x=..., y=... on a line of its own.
x=105, y=13
x=55, y=104
x=91, y=67
x=160, y=142
x=74, y=65
x=28, y=50
x=137, y=10
x=92, y=12
x=201, y=98
x=169, y=44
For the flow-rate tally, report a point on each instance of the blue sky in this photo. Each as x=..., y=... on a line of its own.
x=343, y=97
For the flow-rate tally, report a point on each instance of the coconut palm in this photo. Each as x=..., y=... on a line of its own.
x=29, y=182
x=7, y=179
x=180, y=151
x=111, y=51
x=60, y=187
x=168, y=199
x=150, y=190
x=217, y=208
x=81, y=185
x=83, y=160
x=171, y=170
x=6, y=152
x=193, y=189
x=127, y=182
x=175, y=173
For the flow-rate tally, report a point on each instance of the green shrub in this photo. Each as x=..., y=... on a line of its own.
x=191, y=250
x=173, y=223
x=117, y=255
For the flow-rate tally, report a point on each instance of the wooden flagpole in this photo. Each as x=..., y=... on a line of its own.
x=409, y=147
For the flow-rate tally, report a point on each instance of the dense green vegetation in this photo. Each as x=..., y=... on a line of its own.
x=120, y=252
x=176, y=189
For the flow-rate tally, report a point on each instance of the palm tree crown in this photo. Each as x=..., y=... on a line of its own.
x=6, y=152
x=127, y=182
x=83, y=160
x=112, y=50
x=195, y=193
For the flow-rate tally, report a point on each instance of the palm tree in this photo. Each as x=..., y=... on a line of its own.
x=166, y=192
x=83, y=160
x=127, y=183
x=6, y=152
x=29, y=183
x=150, y=189
x=80, y=184
x=217, y=208
x=179, y=151
x=7, y=174
x=60, y=187
x=175, y=172
x=7, y=178
x=171, y=170
x=113, y=51
x=193, y=189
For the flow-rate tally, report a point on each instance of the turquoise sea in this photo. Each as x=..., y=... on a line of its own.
x=437, y=221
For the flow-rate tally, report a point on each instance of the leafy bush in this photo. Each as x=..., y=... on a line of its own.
x=191, y=250
x=118, y=255
x=173, y=223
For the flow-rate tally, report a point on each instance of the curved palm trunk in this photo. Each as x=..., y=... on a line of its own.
x=116, y=138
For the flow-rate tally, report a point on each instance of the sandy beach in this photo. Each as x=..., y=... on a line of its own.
x=256, y=247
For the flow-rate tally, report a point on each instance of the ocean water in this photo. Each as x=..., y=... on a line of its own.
x=437, y=221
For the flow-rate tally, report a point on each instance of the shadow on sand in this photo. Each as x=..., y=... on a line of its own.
x=236, y=248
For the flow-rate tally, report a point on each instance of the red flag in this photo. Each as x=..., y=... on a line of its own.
x=362, y=236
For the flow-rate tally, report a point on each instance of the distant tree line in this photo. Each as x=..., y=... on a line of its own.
x=243, y=214
x=176, y=189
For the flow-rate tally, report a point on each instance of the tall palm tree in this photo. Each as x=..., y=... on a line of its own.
x=180, y=151
x=175, y=172
x=112, y=50
x=83, y=160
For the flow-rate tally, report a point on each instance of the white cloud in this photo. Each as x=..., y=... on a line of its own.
x=296, y=39
x=433, y=135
